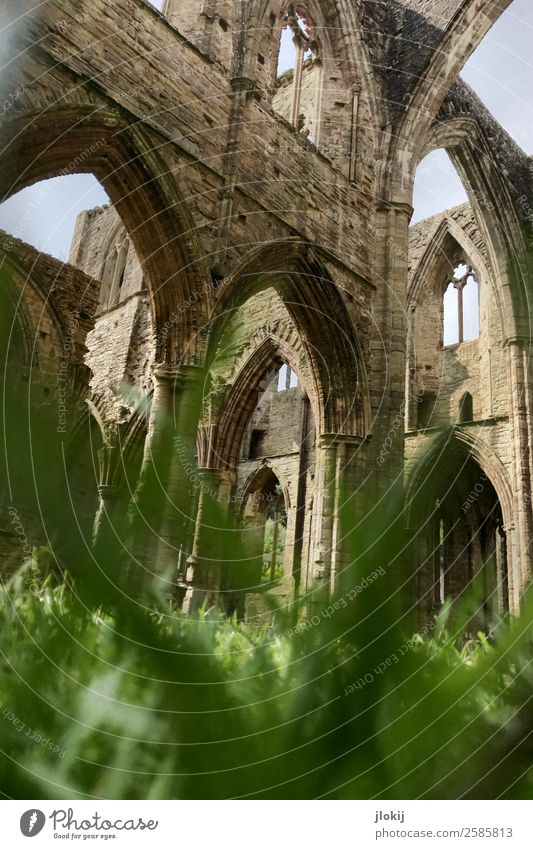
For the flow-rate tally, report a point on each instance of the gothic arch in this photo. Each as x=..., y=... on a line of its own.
x=21, y=280
x=99, y=140
x=465, y=31
x=464, y=140
x=256, y=479
x=313, y=301
x=229, y=425
x=459, y=444
x=448, y=235
x=20, y=347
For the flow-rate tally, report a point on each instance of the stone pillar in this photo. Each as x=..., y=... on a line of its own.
x=163, y=497
x=323, y=509
x=206, y=561
x=336, y=498
x=109, y=460
x=389, y=345
x=521, y=419
x=297, y=85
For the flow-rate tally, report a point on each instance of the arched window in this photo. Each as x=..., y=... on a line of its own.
x=466, y=408
x=264, y=524
x=299, y=76
x=461, y=307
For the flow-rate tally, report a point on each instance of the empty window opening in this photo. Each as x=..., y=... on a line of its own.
x=274, y=540
x=426, y=410
x=298, y=74
x=437, y=186
x=461, y=307
x=264, y=525
x=469, y=546
x=287, y=378
x=451, y=315
x=287, y=52
x=257, y=440
x=281, y=420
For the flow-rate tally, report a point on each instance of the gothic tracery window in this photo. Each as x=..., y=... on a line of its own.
x=461, y=306
x=298, y=77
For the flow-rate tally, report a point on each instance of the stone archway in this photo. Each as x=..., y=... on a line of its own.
x=85, y=139
x=265, y=518
x=460, y=510
x=314, y=302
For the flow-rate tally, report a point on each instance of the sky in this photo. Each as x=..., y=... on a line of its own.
x=500, y=71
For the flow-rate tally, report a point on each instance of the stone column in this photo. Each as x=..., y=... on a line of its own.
x=389, y=346
x=297, y=85
x=338, y=461
x=323, y=508
x=109, y=460
x=163, y=497
x=521, y=419
x=206, y=561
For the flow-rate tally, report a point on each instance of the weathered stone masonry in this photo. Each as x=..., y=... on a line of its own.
x=241, y=241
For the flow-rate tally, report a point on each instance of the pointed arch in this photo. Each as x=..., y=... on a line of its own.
x=456, y=445
x=225, y=438
x=453, y=47
x=100, y=140
x=489, y=194
x=256, y=480
x=294, y=269
x=449, y=242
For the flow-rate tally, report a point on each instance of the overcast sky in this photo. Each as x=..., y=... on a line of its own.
x=500, y=71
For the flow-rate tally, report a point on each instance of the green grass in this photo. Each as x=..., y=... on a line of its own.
x=146, y=704
x=336, y=698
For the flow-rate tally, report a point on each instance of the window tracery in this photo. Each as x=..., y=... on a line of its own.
x=461, y=306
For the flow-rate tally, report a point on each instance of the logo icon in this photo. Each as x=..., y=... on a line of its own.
x=32, y=822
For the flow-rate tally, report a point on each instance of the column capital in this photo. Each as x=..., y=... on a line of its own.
x=518, y=341
x=177, y=374
x=398, y=206
x=328, y=440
